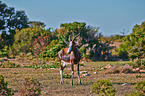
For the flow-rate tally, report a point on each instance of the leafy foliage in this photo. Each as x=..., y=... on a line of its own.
x=52, y=49
x=140, y=89
x=67, y=76
x=4, y=91
x=9, y=65
x=133, y=45
x=27, y=39
x=9, y=21
x=3, y=54
x=138, y=62
x=88, y=42
x=54, y=65
x=103, y=88
x=39, y=44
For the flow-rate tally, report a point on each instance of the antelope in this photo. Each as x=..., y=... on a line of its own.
x=70, y=56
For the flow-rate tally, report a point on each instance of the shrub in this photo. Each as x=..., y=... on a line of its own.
x=138, y=63
x=26, y=40
x=3, y=54
x=103, y=88
x=31, y=87
x=54, y=65
x=133, y=46
x=67, y=76
x=52, y=49
x=9, y=65
x=4, y=91
x=140, y=86
x=140, y=89
x=81, y=64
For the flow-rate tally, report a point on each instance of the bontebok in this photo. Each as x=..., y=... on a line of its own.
x=70, y=56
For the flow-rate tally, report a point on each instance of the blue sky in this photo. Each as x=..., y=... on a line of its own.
x=112, y=16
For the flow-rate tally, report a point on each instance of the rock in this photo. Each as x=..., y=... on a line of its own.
x=93, y=68
x=136, y=70
x=102, y=68
x=86, y=74
x=52, y=68
x=41, y=67
x=142, y=71
x=133, y=70
x=109, y=66
x=125, y=84
x=95, y=72
x=83, y=72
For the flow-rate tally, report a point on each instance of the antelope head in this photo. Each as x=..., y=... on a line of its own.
x=72, y=43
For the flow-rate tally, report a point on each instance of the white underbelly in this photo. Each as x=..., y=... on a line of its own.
x=63, y=63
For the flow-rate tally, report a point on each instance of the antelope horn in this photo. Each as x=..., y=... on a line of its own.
x=70, y=36
x=76, y=36
x=65, y=41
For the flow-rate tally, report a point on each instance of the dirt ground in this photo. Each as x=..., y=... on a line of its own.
x=50, y=79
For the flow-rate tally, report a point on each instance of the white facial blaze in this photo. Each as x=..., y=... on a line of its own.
x=70, y=48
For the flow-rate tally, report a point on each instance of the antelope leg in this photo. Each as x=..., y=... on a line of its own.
x=61, y=72
x=72, y=74
x=79, y=75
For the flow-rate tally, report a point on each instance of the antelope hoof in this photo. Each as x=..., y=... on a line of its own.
x=61, y=82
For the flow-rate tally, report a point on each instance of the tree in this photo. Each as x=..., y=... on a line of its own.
x=9, y=21
x=133, y=45
x=88, y=42
x=36, y=24
x=30, y=40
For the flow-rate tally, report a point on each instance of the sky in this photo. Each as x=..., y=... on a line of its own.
x=112, y=16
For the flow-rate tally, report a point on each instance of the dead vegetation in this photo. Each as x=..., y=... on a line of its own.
x=120, y=69
x=50, y=78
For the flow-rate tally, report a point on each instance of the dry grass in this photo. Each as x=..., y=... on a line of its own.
x=120, y=69
x=50, y=79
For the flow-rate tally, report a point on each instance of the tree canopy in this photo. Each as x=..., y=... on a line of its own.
x=134, y=44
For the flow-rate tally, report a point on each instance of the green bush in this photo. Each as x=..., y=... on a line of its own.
x=54, y=65
x=81, y=64
x=52, y=50
x=4, y=91
x=133, y=46
x=138, y=76
x=9, y=65
x=24, y=38
x=140, y=89
x=103, y=88
x=140, y=86
x=138, y=63
x=32, y=87
x=3, y=54
x=67, y=76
